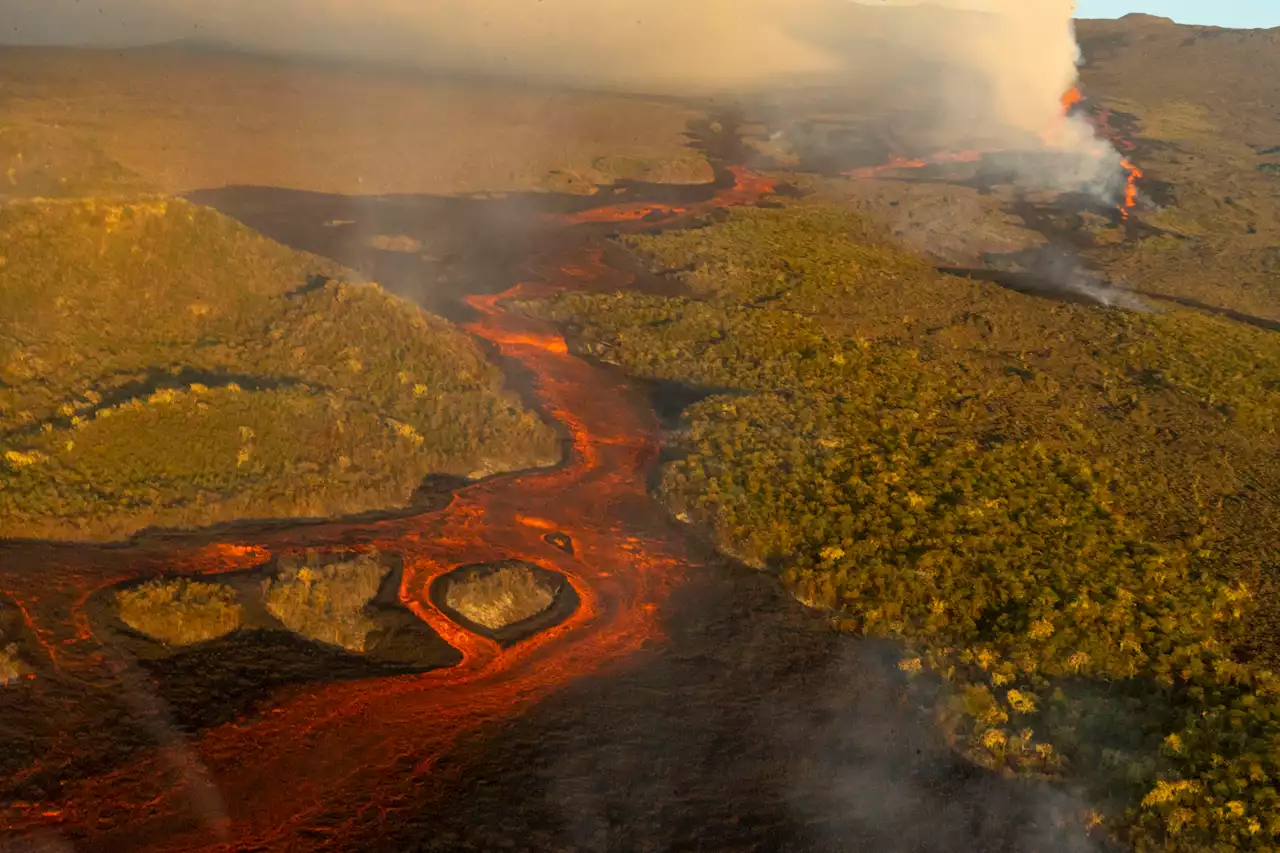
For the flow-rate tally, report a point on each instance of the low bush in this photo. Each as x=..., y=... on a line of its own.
x=11, y=666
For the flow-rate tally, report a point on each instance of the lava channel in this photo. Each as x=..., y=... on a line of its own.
x=327, y=758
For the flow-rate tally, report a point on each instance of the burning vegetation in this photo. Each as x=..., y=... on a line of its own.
x=1076, y=150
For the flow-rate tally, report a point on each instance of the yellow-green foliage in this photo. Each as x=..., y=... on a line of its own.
x=161, y=364
x=324, y=600
x=1223, y=366
x=180, y=612
x=1029, y=495
x=502, y=597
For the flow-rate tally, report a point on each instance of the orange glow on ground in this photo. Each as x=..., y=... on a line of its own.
x=747, y=188
x=895, y=163
x=1051, y=136
x=1132, y=174
x=328, y=755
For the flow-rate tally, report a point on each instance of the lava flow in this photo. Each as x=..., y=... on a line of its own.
x=1072, y=102
x=746, y=189
x=1132, y=174
x=330, y=759
x=917, y=163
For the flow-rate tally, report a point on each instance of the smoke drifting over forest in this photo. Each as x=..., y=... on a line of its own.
x=998, y=65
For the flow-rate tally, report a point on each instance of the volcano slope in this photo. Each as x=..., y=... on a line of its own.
x=71, y=123
x=1198, y=105
x=1059, y=516
x=1065, y=512
x=263, y=383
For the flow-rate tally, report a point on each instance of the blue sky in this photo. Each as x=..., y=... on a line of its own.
x=1221, y=13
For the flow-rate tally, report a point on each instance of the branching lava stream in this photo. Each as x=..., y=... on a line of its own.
x=327, y=756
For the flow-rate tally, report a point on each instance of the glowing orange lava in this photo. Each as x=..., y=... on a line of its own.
x=1051, y=136
x=1070, y=98
x=895, y=163
x=329, y=755
x=1101, y=121
x=747, y=188
x=1132, y=174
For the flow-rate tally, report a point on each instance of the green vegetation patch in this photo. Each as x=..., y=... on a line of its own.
x=1045, y=503
x=324, y=599
x=162, y=365
x=180, y=612
x=500, y=596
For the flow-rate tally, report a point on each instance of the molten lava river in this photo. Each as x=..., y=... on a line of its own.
x=324, y=758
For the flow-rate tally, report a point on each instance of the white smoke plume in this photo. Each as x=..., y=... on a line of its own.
x=1001, y=65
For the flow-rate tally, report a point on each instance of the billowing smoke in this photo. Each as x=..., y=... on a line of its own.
x=998, y=65
x=1023, y=49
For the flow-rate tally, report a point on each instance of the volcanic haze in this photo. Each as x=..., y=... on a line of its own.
x=1024, y=51
x=998, y=65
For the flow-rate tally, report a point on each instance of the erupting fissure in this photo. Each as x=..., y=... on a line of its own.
x=1073, y=102
x=1070, y=98
x=331, y=758
x=1132, y=174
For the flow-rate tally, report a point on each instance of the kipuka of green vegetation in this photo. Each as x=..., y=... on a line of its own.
x=323, y=599
x=1061, y=511
x=162, y=365
x=179, y=611
x=500, y=596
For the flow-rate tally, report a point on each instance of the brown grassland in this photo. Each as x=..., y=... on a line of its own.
x=71, y=122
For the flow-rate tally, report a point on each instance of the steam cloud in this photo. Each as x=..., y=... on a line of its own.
x=1001, y=65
